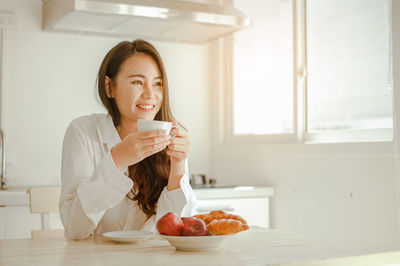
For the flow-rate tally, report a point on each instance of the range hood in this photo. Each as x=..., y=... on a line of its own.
x=170, y=20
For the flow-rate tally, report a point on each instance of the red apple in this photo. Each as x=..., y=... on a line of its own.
x=193, y=226
x=170, y=224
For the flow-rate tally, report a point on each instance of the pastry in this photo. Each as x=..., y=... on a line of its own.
x=226, y=227
x=218, y=215
x=223, y=215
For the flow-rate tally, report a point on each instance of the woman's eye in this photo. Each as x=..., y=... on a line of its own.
x=137, y=82
x=158, y=84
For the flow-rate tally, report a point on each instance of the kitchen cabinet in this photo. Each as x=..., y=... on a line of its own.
x=16, y=222
x=252, y=203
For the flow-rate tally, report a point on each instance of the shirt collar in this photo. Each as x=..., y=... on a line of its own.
x=107, y=132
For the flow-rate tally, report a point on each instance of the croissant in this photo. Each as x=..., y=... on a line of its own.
x=223, y=215
x=201, y=216
x=218, y=215
x=207, y=218
x=226, y=227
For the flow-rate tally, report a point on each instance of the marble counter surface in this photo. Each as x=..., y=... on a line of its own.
x=257, y=246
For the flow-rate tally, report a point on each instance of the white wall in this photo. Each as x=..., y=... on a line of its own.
x=333, y=190
x=332, y=195
x=49, y=79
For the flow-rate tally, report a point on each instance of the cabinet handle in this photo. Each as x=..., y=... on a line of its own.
x=226, y=209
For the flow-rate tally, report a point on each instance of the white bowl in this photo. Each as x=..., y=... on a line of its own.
x=196, y=243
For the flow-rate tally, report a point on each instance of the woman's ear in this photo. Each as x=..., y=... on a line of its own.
x=108, y=84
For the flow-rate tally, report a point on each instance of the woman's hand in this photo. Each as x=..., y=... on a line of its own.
x=178, y=150
x=137, y=146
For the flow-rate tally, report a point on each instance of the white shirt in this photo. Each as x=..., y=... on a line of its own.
x=93, y=197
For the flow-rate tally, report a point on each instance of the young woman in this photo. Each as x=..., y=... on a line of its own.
x=114, y=178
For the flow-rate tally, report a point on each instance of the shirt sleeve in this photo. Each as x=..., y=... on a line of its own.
x=180, y=201
x=88, y=190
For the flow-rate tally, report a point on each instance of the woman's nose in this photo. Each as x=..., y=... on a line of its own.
x=148, y=91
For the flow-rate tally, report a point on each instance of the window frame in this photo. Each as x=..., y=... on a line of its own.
x=300, y=134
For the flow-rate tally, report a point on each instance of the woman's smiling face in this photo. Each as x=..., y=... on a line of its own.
x=138, y=88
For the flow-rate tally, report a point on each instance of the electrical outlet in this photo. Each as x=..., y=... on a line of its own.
x=8, y=20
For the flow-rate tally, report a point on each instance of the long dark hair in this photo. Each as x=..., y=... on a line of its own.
x=150, y=175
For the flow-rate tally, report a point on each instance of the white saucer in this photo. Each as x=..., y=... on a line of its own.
x=128, y=236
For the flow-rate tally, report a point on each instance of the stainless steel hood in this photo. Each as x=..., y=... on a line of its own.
x=169, y=20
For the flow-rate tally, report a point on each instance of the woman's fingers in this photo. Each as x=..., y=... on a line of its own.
x=155, y=140
x=139, y=145
x=177, y=154
x=179, y=140
x=150, y=142
x=151, y=149
x=155, y=146
x=178, y=131
x=150, y=138
x=181, y=148
x=181, y=144
x=152, y=134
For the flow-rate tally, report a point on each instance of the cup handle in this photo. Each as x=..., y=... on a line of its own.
x=172, y=127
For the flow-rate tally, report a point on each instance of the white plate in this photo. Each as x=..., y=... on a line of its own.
x=128, y=236
x=196, y=243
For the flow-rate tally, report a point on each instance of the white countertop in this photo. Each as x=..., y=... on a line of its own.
x=14, y=196
x=257, y=246
x=233, y=192
x=18, y=196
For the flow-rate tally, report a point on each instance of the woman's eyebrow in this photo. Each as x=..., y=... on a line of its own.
x=142, y=76
x=136, y=75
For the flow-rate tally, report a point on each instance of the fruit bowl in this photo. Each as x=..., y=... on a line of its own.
x=199, y=232
x=196, y=243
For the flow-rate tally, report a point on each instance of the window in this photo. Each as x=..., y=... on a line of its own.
x=313, y=70
x=263, y=70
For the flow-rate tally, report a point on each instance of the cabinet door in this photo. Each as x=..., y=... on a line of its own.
x=19, y=222
x=254, y=210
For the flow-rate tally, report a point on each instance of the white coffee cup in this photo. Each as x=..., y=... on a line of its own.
x=148, y=125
